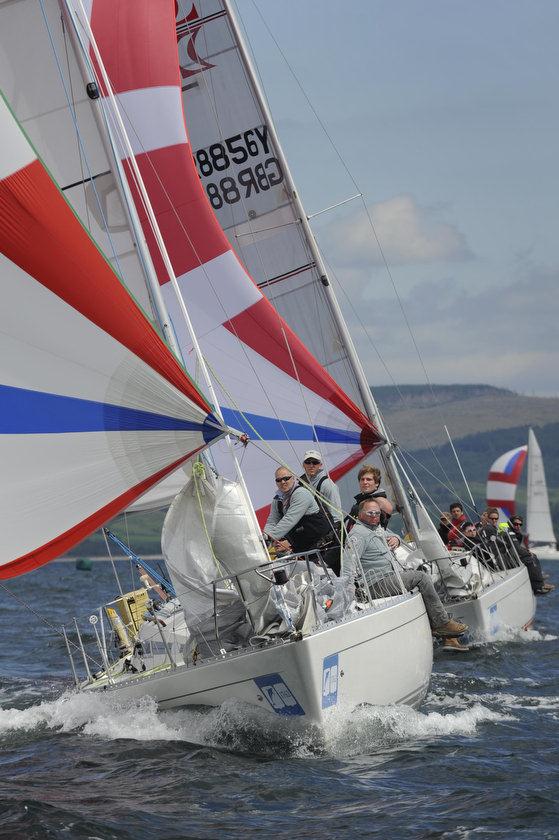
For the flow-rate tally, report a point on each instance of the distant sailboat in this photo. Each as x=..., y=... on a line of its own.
x=539, y=526
x=502, y=482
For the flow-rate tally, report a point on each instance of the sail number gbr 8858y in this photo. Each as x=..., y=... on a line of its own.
x=252, y=147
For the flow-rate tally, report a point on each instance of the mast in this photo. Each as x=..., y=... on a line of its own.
x=111, y=147
x=153, y=283
x=369, y=403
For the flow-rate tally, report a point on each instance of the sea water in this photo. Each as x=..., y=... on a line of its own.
x=479, y=759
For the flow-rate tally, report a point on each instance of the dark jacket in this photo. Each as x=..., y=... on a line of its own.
x=308, y=530
x=374, y=494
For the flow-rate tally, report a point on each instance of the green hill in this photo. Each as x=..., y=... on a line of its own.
x=484, y=422
x=416, y=415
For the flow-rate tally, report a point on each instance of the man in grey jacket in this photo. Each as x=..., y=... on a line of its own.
x=370, y=544
x=327, y=493
x=295, y=522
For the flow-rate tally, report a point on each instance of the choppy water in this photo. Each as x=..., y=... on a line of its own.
x=478, y=760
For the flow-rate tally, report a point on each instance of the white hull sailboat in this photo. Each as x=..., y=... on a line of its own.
x=97, y=411
x=502, y=481
x=380, y=657
x=487, y=588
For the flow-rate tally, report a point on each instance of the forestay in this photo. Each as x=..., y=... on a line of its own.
x=268, y=383
x=94, y=408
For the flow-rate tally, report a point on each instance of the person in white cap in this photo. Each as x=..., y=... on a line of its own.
x=322, y=487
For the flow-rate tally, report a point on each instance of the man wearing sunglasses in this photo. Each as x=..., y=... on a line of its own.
x=516, y=531
x=373, y=546
x=488, y=523
x=530, y=560
x=295, y=522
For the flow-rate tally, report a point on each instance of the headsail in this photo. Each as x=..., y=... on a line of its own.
x=503, y=479
x=538, y=514
x=94, y=409
x=268, y=382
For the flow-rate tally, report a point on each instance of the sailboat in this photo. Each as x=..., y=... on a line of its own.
x=98, y=411
x=246, y=177
x=502, y=481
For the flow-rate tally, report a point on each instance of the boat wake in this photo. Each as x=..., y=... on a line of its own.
x=511, y=634
x=236, y=727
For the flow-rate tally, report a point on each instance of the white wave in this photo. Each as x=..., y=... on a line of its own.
x=510, y=634
x=370, y=727
x=90, y=713
x=236, y=726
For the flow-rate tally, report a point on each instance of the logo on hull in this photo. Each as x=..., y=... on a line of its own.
x=278, y=695
x=493, y=619
x=330, y=670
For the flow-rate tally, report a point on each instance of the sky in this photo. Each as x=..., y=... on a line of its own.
x=445, y=113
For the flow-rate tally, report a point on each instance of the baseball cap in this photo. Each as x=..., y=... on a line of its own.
x=312, y=453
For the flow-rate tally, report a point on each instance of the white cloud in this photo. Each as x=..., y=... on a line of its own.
x=503, y=336
x=408, y=234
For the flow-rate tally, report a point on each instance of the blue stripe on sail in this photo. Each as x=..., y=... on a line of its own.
x=270, y=428
x=212, y=428
x=512, y=462
x=25, y=412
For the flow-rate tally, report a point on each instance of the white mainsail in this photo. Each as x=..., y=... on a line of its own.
x=538, y=515
x=245, y=177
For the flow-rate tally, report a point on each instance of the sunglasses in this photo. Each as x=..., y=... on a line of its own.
x=285, y=478
x=494, y=518
x=371, y=512
x=517, y=524
x=312, y=461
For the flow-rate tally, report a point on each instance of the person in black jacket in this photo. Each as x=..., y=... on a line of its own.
x=369, y=478
x=295, y=523
x=530, y=560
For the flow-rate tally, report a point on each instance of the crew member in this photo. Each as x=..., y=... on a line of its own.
x=369, y=478
x=373, y=546
x=296, y=522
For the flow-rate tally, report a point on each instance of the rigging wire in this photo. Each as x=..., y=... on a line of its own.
x=406, y=454
x=384, y=364
x=73, y=98
x=361, y=194
x=46, y=622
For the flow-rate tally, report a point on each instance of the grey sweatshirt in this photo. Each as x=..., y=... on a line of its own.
x=301, y=503
x=368, y=544
x=330, y=492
